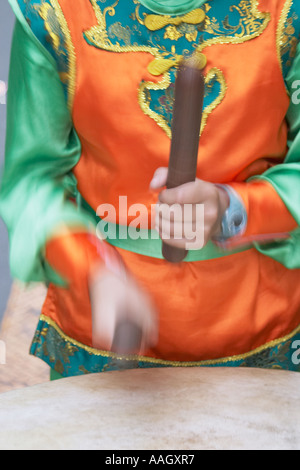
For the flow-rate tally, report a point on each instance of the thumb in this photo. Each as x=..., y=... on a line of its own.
x=159, y=178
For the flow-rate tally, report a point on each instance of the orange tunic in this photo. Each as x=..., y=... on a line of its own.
x=208, y=309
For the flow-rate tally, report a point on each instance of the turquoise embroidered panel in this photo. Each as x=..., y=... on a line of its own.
x=41, y=15
x=69, y=358
x=290, y=35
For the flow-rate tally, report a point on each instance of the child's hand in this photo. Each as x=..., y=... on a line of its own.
x=115, y=298
x=169, y=224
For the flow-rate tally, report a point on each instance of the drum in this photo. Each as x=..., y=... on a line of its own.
x=156, y=409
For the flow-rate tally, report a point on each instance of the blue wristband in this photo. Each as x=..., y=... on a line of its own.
x=234, y=220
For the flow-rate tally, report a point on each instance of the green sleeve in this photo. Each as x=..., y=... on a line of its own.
x=41, y=150
x=285, y=178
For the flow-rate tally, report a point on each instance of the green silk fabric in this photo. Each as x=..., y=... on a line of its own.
x=172, y=7
x=42, y=148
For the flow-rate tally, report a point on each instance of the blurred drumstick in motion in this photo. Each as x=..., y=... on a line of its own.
x=127, y=338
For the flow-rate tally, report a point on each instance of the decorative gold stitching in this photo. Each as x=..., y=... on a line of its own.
x=250, y=25
x=144, y=102
x=98, y=35
x=96, y=352
x=70, y=49
x=156, y=22
x=280, y=29
x=214, y=73
x=44, y=10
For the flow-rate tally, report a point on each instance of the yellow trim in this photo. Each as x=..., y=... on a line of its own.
x=144, y=103
x=43, y=11
x=98, y=35
x=96, y=352
x=70, y=49
x=214, y=73
x=280, y=29
x=160, y=120
x=160, y=66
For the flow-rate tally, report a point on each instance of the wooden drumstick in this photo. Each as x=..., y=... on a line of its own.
x=127, y=338
x=186, y=124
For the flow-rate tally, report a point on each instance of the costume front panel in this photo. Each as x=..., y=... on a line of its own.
x=119, y=83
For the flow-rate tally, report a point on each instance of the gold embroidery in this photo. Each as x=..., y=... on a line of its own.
x=144, y=101
x=284, y=35
x=110, y=10
x=249, y=27
x=213, y=74
x=252, y=24
x=155, y=22
x=191, y=36
x=137, y=12
x=97, y=35
x=96, y=352
x=70, y=49
x=160, y=66
x=172, y=33
x=179, y=26
x=45, y=10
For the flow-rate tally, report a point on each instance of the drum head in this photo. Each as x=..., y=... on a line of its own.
x=165, y=408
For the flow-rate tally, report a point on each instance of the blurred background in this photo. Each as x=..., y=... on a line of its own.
x=6, y=28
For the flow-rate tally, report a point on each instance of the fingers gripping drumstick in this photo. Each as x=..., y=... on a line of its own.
x=186, y=124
